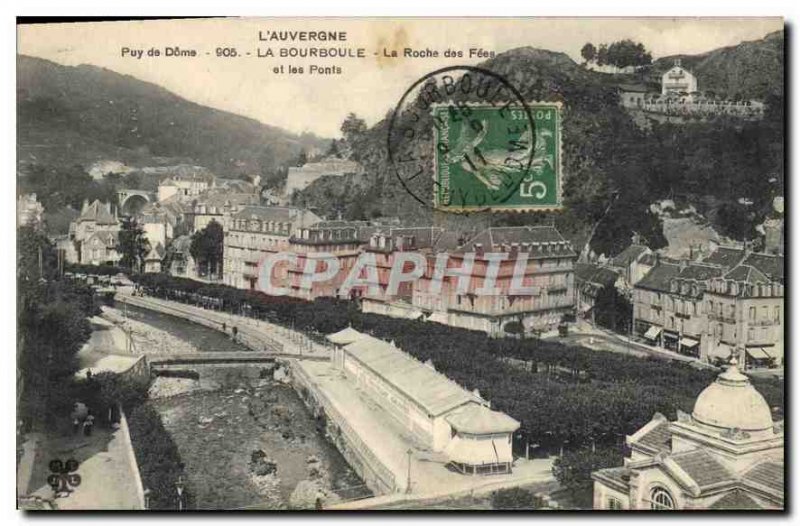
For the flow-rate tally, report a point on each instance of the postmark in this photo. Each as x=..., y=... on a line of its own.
x=463, y=139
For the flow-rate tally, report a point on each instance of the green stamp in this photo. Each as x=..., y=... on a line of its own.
x=490, y=158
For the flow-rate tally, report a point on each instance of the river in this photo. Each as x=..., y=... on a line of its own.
x=239, y=413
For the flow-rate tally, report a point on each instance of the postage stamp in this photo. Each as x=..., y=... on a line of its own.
x=465, y=124
x=480, y=149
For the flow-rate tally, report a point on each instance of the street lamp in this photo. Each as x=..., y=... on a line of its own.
x=179, y=486
x=408, y=481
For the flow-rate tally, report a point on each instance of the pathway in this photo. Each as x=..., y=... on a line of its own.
x=109, y=476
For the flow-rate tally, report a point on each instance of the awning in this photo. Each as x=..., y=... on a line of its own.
x=688, y=342
x=652, y=333
x=757, y=353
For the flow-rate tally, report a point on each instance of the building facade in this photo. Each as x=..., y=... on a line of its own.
x=95, y=234
x=437, y=412
x=726, y=455
x=254, y=233
x=678, y=81
x=732, y=299
x=185, y=182
x=30, y=212
x=340, y=239
x=548, y=270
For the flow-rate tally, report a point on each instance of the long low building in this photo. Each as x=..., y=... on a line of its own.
x=438, y=412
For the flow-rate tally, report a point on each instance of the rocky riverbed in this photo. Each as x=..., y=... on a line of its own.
x=250, y=443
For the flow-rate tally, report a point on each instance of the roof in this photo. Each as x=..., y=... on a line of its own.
x=219, y=197
x=736, y=500
x=620, y=475
x=591, y=273
x=181, y=172
x=768, y=474
x=657, y=438
x=700, y=272
x=659, y=277
x=182, y=244
x=109, y=239
x=436, y=393
x=424, y=237
x=345, y=336
x=538, y=240
x=156, y=253
x=627, y=256
x=639, y=88
x=703, y=468
x=99, y=213
x=477, y=419
x=747, y=274
x=770, y=265
x=286, y=214
x=662, y=274
x=725, y=256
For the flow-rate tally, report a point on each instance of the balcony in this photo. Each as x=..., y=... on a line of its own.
x=721, y=317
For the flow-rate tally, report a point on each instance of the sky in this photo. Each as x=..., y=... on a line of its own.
x=249, y=85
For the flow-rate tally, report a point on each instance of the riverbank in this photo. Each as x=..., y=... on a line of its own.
x=225, y=414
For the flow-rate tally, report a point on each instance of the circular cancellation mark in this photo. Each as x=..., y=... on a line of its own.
x=463, y=135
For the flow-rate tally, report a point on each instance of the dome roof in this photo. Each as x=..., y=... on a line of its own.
x=732, y=402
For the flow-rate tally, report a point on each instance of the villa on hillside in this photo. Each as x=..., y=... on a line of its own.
x=680, y=96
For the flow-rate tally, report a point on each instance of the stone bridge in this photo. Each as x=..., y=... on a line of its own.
x=131, y=201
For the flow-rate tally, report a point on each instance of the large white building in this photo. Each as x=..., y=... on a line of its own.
x=727, y=454
x=678, y=81
x=255, y=232
x=439, y=413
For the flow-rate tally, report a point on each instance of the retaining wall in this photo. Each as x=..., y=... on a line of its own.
x=378, y=478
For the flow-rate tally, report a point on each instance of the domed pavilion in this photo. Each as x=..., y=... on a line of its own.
x=727, y=454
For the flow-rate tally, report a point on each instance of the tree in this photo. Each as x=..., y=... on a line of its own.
x=515, y=499
x=133, y=244
x=302, y=158
x=36, y=256
x=574, y=469
x=333, y=149
x=602, y=55
x=514, y=328
x=589, y=52
x=207, y=248
x=613, y=310
x=354, y=131
x=353, y=128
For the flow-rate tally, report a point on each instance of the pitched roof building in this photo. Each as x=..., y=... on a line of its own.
x=437, y=411
x=731, y=302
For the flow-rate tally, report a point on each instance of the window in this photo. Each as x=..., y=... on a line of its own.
x=777, y=315
x=613, y=504
x=660, y=499
x=752, y=314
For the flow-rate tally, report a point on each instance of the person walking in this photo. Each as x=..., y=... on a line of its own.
x=88, y=424
x=76, y=424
